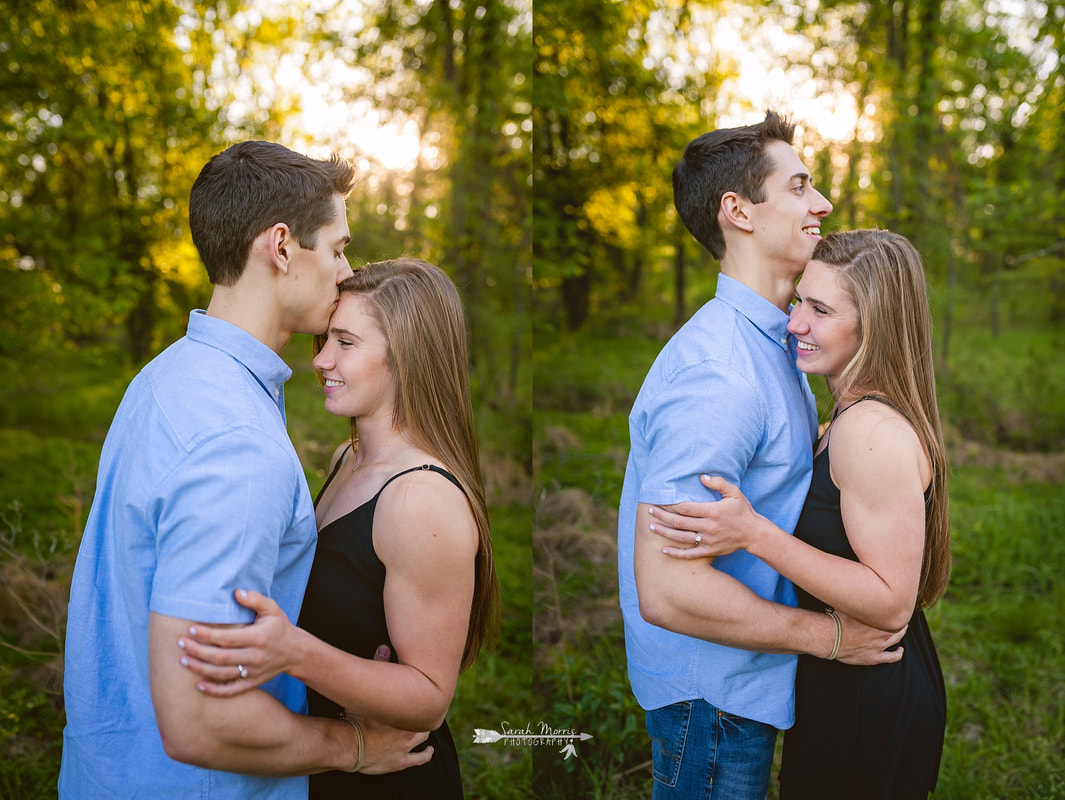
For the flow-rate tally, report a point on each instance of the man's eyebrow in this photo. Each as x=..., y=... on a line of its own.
x=803, y=176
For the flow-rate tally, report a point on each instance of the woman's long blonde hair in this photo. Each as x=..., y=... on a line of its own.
x=884, y=276
x=419, y=311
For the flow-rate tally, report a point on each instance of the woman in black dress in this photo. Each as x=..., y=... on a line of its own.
x=403, y=588
x=873, y=540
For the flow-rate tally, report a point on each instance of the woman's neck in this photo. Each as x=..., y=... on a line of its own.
x=377, y=444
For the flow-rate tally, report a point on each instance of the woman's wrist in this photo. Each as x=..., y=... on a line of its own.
x=298, y=654
x=759, y=535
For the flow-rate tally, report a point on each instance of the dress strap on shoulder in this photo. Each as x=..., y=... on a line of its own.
x=333, y=474
x=886, y=402
x=877, y=399
x=430, y=468
x=873, y=397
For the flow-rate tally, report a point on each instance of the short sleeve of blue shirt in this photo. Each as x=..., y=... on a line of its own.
x=220, y=520
x=706, y=419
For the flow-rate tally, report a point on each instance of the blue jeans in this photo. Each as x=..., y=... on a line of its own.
x=699, y=752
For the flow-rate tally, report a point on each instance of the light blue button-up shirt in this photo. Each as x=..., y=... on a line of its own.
x=199, y=492
x=723, y=397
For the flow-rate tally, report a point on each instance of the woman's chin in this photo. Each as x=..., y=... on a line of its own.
x=334, y=409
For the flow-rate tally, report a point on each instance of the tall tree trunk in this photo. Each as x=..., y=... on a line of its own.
x=140, y=324
x=679, y=277
x=898, y=23
x=576, y=299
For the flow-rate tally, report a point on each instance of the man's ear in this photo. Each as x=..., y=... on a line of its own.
x=735, y=211
x=279, y=245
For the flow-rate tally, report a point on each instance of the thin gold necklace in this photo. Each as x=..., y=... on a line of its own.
x=389, y=446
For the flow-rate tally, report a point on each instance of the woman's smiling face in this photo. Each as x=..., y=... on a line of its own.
x=824, y=319
x=354, y=362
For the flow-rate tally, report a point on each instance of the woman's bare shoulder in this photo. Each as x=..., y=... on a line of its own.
x=873, y=439
x=423, y=508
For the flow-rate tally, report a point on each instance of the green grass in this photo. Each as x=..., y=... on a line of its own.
x=52, y=425
x=498, y=687
x=999, y=630
x=1007, y=390
x=1001, y=638
x=560, y=657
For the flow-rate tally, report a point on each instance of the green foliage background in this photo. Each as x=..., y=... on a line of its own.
x=556, y=126
x=956, y=144
x=998, y=631
x=108, y=109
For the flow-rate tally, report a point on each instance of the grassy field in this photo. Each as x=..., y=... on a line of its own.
x=560, y=659
x=999, y=630
x=52, y=423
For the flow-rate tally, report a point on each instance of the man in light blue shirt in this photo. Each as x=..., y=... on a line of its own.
x=199, y=493
x=710, y=646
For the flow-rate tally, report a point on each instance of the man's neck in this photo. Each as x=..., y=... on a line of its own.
x=775, y=285
x=249, y=311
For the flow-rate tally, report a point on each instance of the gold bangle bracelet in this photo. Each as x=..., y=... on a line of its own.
x=839, y=633
x=362, y=745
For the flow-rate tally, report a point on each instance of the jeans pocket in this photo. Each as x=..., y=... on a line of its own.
x=668, y=729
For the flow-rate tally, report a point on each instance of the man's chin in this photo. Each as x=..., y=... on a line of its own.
x=320, y=327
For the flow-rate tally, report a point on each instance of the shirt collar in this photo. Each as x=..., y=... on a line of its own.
x=765, y=316
x=262, y=362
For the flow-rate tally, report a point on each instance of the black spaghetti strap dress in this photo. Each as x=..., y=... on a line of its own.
x=344, y=606
x=861, y=733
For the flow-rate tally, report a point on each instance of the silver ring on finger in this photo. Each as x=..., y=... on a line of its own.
x=242, y=670
x=698, y=538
